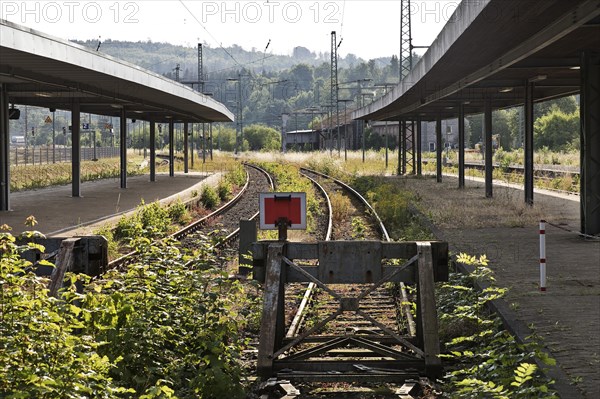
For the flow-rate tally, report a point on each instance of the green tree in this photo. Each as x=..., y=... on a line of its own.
x=501, y=128
x=261, y=137
x=568, y=105
x=557, y=130
x=302, y=74
x=224, y=138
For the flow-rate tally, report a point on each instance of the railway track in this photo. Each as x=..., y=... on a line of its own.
x=226, y=218
x=379, y=332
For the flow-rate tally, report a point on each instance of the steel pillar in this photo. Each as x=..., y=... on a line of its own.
x=123, y=147
x=528, y=143
x=185, y=147
x=210, y=141
x=489, y=191
x=401, y=130
x=4, y=150
x=405, y=39
x=590, y=142
x=419, y=140
x=334, y=87
x=171, y=148
x=75, y=150
x=404, y=146
x=152, y=151
x=410, y=152
x=438, y=148
x=461, y=146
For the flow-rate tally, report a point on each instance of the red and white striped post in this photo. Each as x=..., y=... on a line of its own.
x=542, y=255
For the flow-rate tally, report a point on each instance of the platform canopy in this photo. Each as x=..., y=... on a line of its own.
x=490, y=49
x=46, y=71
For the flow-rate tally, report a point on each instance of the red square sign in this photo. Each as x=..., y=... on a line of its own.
x=274, y=206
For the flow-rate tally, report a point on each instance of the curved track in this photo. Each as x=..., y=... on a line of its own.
x=243, y=206
x=387, y=308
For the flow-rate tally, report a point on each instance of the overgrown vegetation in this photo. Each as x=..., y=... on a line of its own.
x=482, y=359
x=161, y=329
x=29, y=177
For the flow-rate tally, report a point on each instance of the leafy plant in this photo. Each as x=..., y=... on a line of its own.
x=358, y=228
x=224, y=190
x=169, y=327
x=43, y=355
x=209, y=198
x=179, y=213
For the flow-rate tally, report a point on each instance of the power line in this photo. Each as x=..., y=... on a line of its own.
x=209, y=34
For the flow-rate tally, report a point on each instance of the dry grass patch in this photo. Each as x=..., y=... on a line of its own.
x=449, y=207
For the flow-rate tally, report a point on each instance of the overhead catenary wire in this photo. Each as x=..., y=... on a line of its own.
x=209, y=34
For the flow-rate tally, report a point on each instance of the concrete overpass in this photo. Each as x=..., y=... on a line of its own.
x=501, y=53
x=40, y=70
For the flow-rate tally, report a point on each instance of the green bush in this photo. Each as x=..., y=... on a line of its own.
x=150, y=221
x=209, y=198
x=179, y=213
x=154, y=218
x=165, y=323
x=128, y=227
x=224, y=190
x=160, y=329
x=43, y=355
x=237, y=176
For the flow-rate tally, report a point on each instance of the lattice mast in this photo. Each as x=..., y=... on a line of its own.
x=406, y=139
x=334, y=85
x=200, y=69
x=405, y=39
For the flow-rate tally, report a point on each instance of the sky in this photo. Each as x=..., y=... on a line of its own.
x=368, y=29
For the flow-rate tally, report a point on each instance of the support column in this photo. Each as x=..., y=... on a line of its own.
x=461, y=146
x=412, y=147
x=152, y=151
x=528, y=145
x=211, y=141
x=438, y=148
x=123, y=147
x=75, y=150
x=401, y=128
x=204, y=143
x=4, y=150
x=171, y=148
x=404, y=147
x=419, y=141
x=487, y=121
x=185, y=147
x=590, y=142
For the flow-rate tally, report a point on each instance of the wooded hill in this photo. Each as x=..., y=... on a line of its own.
x=271, y=84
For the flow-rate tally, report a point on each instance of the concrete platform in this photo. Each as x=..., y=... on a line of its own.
x=60, y=214
x=567, y=315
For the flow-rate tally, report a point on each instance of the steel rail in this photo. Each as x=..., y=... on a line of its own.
x=196, y=225
x=404, y=303
x=300, y=313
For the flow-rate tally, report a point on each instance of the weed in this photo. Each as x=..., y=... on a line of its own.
x=341, y=206
x=179, y=212
x=224, y=190
x=209, y=197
